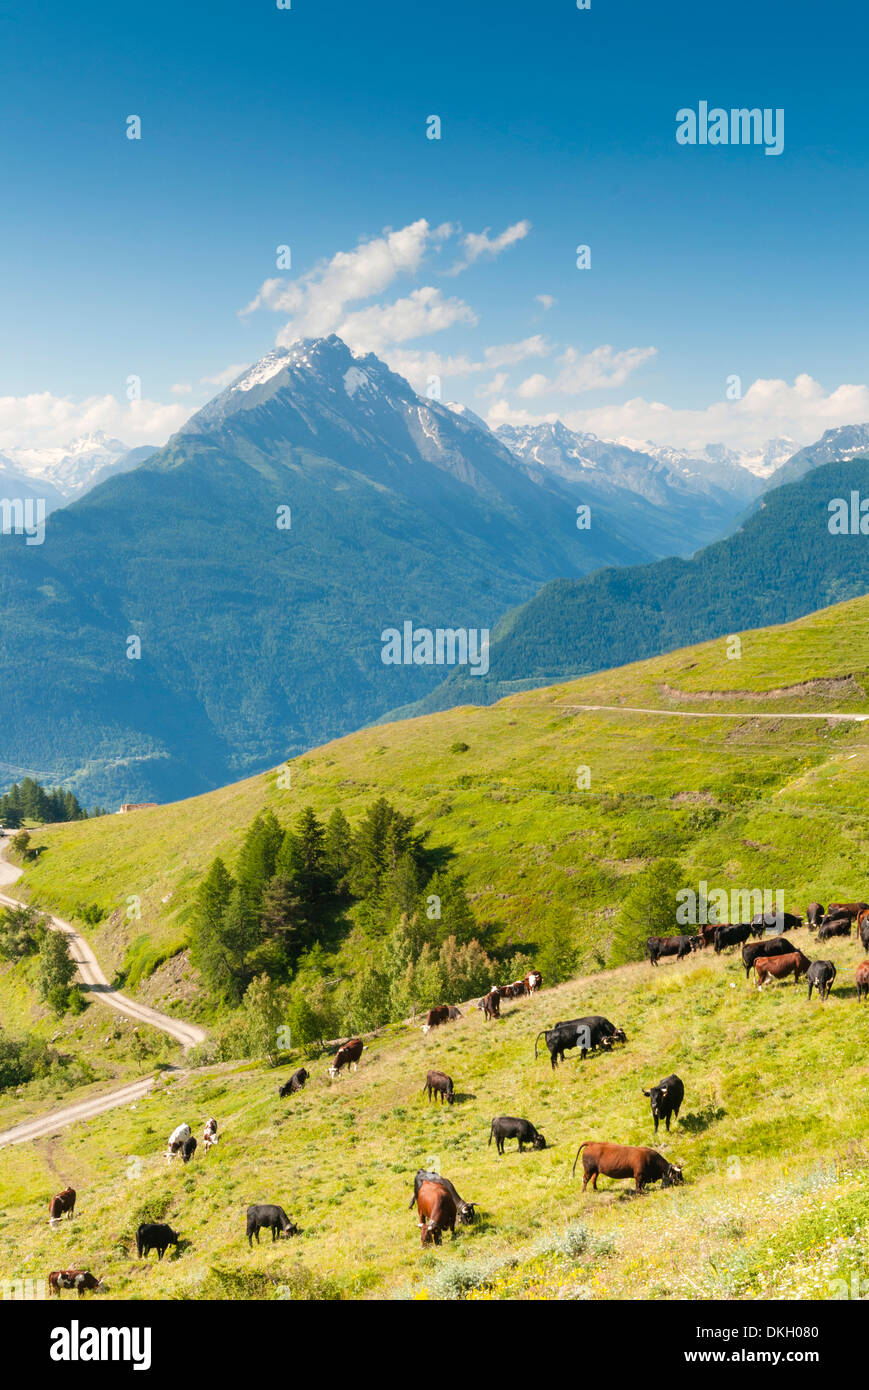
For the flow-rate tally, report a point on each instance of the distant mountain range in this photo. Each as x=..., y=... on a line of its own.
x=222, y=605
x=61, y=474
x=782, y=564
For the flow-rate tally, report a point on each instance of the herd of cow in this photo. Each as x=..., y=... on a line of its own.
x=439, y=1206
x=776, y=958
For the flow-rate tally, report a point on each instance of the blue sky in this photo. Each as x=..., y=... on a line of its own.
x=307, y=127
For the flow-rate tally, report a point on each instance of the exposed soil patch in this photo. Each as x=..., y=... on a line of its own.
x=825, y=688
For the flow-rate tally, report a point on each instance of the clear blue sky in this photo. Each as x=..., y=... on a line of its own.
x=307, y=127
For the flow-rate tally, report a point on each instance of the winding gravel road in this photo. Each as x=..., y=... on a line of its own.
x=89, y=971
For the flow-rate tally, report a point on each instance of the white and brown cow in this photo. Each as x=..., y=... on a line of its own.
x=348, y=1054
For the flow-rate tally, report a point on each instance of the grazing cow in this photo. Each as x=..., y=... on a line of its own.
x=731, y=934
x=465, y=1211
x=491, y=1003
x=273, y=1218
x=347, y=1055
x=436, y=1016
x=678, y=946
x=454, y=1013
x=437, y=1211
x=79, y=1279
x=177, y=1139
x=777, y=967
x=863, y=929
x=781, y=921
x=154, y=1235
x=776, y=946
x=437, y=1083
x=188, y=1149
x=209, y=1136
x=862, y=978
x=63, y=1202
x=847, y=909
x=626, y=1161
x=295, y=1083
x=533, y=981
x=507, y=1127
x=666, y=1098
x=814, y=915
x=834, y=926
x=707, y=933
x=588, y=1034
x=820, y=975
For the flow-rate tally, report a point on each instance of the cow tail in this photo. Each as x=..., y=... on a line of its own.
x=578, y=1152
x=541, y=1034
x=491, y=1132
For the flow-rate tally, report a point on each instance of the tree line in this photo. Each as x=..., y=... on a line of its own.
x=28, y=800
x=265, y=937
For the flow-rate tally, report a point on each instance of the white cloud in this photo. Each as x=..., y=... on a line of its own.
x=421, y=312
x=181, y=388
x=221, y=379
x=477, y=244
x=547, y=300
x=43, y=420
x=769, y=408
x=317, y=300
x=417, y=366
x=588, y=371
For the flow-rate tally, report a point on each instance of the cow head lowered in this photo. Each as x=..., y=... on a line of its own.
x=672, y=1175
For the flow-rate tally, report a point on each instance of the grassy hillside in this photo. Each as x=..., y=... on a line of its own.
x=739, y=802
x=771, y=1136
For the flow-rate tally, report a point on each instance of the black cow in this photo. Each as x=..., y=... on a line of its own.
x=731, y=934
x=466, y=1210
x=295, y=1083
x=814, y=915
x=588, y=1034
x=437, y=1083
x=834, y=926
x=666, y=1099
x=188, y=1149
x=678, y=946
x=863, y=931
x=776, y=946
x=507, y=1127
x=782, y=921
x=820, y=975
x=273, y=1218
x=153, y=1235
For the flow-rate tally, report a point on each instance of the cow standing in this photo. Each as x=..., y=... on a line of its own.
x=533, y=981
x=862, y=978
x=491, y=1004
x=437, y=1083
x=814, y=915
x=465, y=1211
x=732, y=934
x=155, y=1235
x=63, y=1202
x=658, y=946
x=436, y=1016
x=508, y=1127
x=778, y=946
x=588, y=1034
x=834, y=926
x=778, y=967
x=209, y=1135
x=295, y=1083
x=266, y=1215
x=851, y=910
x=79, y=1279
x=177, y=1139
x=347, y=1055
x=820, y=976
x=626, y=1161
x=437, y=1212
x=666, y=1098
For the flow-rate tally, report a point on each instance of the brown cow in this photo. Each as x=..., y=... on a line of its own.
x=348, y=1054
x=625, y=1161
x=80, y=1279
x=437, y=1212
x=439, y=1014
x=491, y=1003
x=777, y=967
x=533, y=981
x=437, y=1083
x=63, y=1202
x=862, y=980
x=846, y=909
